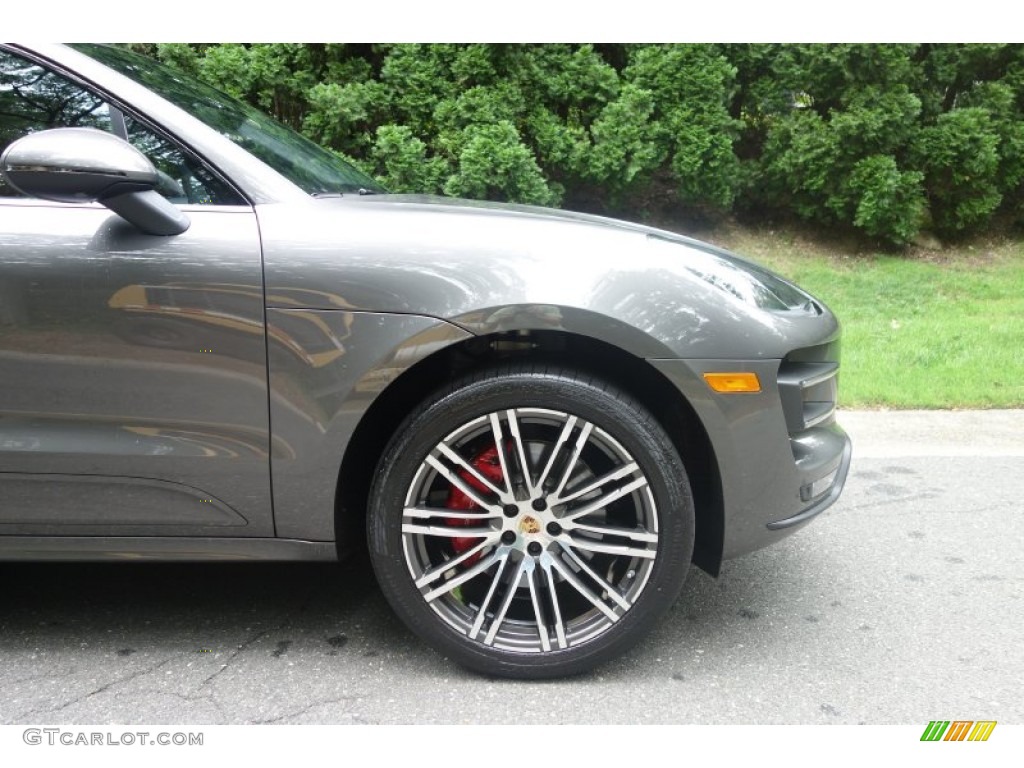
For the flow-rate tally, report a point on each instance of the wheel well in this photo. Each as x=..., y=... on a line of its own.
x=620, y=368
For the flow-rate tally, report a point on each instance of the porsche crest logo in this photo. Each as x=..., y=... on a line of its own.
x=529, y=525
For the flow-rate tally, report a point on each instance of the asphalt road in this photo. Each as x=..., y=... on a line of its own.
x=902, y=604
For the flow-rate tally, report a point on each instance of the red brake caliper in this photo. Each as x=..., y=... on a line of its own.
x=487, y=464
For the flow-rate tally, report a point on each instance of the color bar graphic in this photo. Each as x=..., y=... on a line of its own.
x=982, y=730
x=958, y=730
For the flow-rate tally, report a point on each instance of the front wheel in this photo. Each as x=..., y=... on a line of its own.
x=531, y=521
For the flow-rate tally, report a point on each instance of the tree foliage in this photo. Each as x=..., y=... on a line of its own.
x=884, y=139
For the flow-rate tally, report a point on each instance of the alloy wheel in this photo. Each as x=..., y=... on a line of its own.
x=530, y=529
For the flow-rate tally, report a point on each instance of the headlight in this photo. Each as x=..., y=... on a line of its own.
x=748, y=282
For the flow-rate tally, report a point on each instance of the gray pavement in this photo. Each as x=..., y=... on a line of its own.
x=884, y=434
x=902, y=604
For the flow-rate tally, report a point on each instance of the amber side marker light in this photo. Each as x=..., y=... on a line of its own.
x=730, y=383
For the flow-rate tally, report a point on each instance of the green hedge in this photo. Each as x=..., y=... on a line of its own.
x=884, y=139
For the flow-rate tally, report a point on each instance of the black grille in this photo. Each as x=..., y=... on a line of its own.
x=808, y=391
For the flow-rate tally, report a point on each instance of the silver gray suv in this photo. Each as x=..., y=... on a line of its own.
x=219, y=341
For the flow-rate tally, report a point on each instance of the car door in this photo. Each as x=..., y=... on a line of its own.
x=133, y=384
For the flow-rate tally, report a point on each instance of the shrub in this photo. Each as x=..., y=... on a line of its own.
x=959, y=155
x=878, y=138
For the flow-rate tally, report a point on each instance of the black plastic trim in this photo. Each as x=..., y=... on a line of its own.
x=154, y=548
x=817, y=508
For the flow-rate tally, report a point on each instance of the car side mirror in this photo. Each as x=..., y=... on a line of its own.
x=84, y=165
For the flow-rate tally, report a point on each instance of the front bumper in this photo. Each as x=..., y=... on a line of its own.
x=821, y=489
x=782, y=458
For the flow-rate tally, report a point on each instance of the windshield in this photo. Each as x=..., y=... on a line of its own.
x=307, y=165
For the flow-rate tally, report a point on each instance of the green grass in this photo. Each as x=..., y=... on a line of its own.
x=926, y=330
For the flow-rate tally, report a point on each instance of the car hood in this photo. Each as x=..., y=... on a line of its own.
x=490, y=267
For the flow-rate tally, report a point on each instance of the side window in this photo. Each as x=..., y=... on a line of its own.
x=183, y=179
x=32, y=98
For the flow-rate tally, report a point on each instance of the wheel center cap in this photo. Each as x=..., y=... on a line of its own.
x=529, y=525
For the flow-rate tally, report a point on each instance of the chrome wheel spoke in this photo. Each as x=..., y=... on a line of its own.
x=615, y=474
x=603, y=501
x=425, y=513
x=499, y=617
x=517, y=438
x=453, y=457
x=582, y=565
x=542, y=626
x=434, y=573
x=499, y=443
x=563, y=438
x=581, y=441
x=455, y=480
x=556, y=608
x=609, y=549
x=584, y=590
x=482, y=613
x=462, y=578
x=610, y=530
x=454, y=532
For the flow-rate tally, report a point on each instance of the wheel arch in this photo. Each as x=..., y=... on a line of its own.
x=621, y=368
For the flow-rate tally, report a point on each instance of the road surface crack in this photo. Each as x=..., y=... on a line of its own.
x=102, y=689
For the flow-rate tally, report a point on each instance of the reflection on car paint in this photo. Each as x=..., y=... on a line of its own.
x=308, y=337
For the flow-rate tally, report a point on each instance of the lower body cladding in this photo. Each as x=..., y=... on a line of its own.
x=781, y=457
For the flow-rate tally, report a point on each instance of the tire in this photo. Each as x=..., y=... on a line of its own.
x=447, y=536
